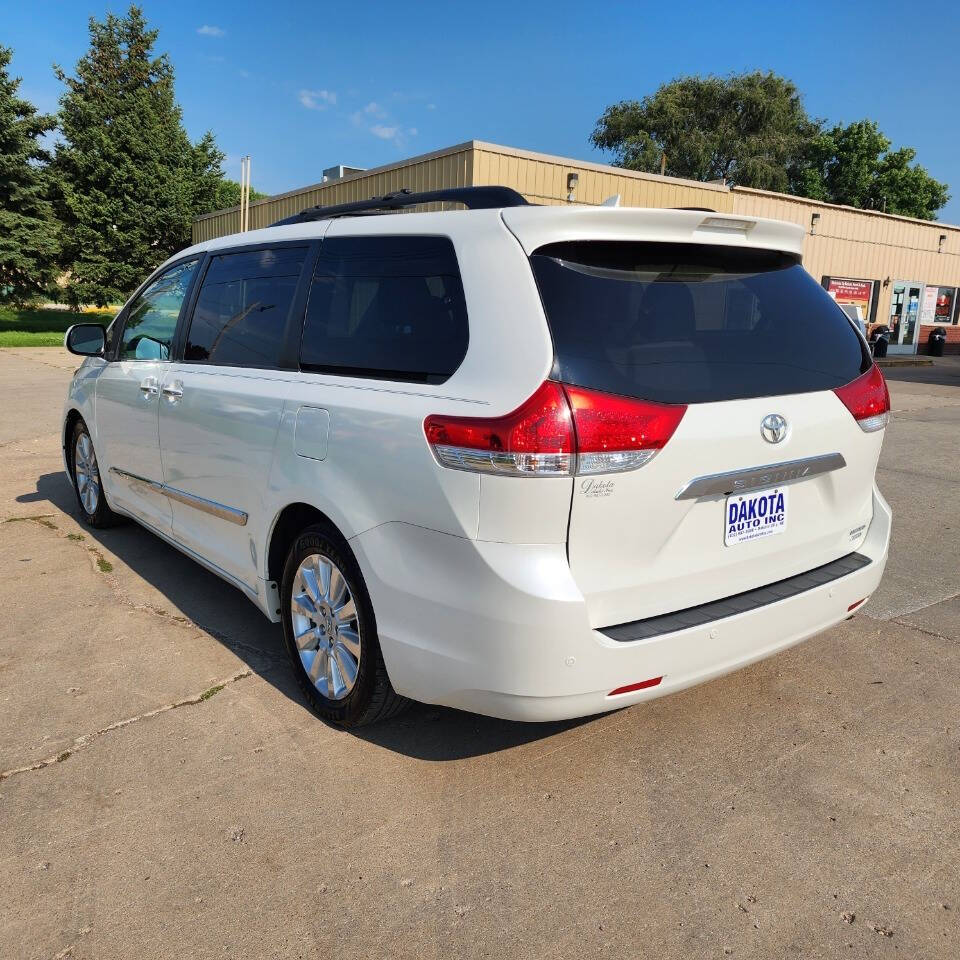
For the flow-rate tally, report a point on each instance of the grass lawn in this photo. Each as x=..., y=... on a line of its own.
x=43, y=328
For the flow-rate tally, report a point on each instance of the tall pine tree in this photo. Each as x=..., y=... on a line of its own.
x=28, y=231
x=129, y=179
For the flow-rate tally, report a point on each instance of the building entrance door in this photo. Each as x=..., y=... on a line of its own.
x=905, y=316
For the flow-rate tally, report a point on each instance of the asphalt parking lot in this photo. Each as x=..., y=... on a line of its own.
x=164, y=792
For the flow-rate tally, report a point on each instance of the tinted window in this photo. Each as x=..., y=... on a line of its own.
x=244, y=306
x=387, y=307
x=681, y=323
x=152, y=317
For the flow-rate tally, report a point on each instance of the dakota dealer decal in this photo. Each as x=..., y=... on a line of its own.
x=597, y=488
x=755, y=515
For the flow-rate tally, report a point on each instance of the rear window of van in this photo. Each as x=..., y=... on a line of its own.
x=685, y=323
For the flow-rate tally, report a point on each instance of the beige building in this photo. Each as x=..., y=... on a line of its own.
x=903, y=273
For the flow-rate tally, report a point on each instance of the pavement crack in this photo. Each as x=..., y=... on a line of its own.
x=924, y=630
x=87, y=739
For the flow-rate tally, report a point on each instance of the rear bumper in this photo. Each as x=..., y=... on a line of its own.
x=501, y=629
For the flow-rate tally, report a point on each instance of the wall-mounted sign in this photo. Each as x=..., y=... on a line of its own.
x=946, y=296
x=857, y=292
x=928, y=308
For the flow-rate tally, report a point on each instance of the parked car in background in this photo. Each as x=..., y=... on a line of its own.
x=535, y=462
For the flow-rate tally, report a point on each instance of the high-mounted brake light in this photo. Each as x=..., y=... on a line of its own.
x=559, y=431
x=868, y=399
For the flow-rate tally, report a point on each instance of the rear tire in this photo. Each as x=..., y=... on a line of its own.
x=331, y=634
x=87, y=482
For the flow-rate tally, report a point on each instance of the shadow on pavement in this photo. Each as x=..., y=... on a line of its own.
x=423, y=732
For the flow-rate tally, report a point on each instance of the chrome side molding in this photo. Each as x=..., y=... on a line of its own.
x=220, y=510
x=754, y=478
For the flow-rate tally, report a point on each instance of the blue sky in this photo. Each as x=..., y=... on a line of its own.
x=302, y=86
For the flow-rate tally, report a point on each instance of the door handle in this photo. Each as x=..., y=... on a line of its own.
x=173, y=391
x=149, y=388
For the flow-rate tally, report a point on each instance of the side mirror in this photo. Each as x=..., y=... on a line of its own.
x=86, y=340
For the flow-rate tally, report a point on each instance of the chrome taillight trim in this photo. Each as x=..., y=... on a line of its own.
x=613, y=461
x=504, y=464
x=877, y=422
x=541, y=464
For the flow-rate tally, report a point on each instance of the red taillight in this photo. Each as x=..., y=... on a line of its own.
x=619, y=433
x=868, y=399
x=535, y=440
x=559, y=431
x=631, y=687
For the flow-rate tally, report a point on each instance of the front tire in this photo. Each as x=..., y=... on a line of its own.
x=87, y=483
x=331, y=634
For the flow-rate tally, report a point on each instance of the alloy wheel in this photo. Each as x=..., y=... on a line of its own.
x=325, y=626
x=87, y=473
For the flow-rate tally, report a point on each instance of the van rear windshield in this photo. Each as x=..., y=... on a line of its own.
x=687, y=323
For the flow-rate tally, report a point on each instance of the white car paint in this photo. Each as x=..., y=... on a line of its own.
x=488, y=590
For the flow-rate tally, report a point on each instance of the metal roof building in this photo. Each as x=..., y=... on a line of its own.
x=903, y=273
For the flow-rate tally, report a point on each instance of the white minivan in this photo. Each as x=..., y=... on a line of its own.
x=536, y=462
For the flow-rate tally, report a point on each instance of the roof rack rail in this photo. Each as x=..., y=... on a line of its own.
x=473, y=198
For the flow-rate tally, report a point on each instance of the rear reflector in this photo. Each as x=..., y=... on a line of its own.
x=631, y=687
x=853, y=606
x=559, y=431
x=868, y=399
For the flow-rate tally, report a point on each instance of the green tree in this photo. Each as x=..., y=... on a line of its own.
x=129, y=179
x=747, y=129
x=229, y=195
x=28, y=230
x=854, y=165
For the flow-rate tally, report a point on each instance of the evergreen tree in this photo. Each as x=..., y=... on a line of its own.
x=28, y=230
x=129, y=179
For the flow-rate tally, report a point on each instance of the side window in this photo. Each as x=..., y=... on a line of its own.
x=389, y=307
x=152, y=317
x=243, y=307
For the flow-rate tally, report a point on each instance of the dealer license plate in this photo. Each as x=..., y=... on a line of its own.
x=751, y=516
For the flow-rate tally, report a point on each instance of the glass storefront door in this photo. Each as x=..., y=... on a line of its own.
x=905, y=316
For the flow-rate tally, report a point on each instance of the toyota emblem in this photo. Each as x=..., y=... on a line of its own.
x=773, y=428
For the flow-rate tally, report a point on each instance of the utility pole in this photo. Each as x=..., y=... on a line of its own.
x=244, y=194
x=663, y=163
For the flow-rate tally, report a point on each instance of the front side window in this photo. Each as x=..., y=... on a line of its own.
x=243, y=307
x=152, y=318
x=386, y=307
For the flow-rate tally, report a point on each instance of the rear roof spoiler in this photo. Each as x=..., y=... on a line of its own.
x=536, y=226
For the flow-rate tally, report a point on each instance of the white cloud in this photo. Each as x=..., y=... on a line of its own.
x=411, y=131
x=374, y=109
x=317, y=99
x=383, y=132
x=210, y=31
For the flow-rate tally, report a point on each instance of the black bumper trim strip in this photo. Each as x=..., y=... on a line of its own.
x=738, y=603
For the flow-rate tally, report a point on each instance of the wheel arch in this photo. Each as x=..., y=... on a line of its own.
x=73, y=417
x=289, y=523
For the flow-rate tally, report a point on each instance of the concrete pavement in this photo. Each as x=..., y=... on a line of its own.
x=166, y=793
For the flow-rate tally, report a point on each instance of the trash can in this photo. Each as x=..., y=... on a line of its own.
x=880, y=342
x=938, y=337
